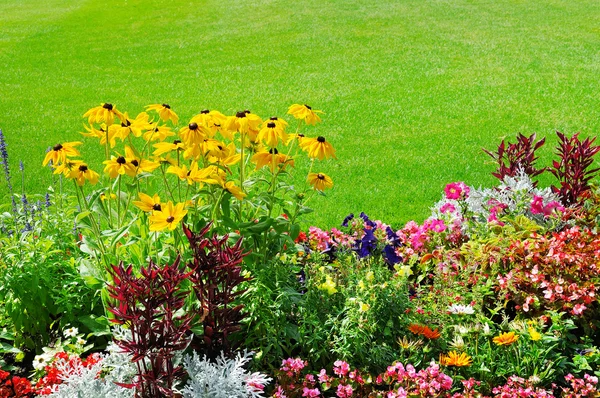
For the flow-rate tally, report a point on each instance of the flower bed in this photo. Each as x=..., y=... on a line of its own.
x=183, y=271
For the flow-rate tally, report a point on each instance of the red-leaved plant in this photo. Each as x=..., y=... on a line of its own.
x=515, y=157
x=148, y=304
x=573, y=168
x=216, y=276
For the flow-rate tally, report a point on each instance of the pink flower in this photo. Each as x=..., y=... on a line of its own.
x=436, y=225
x=447, y=208
x=323, y=378
x=344, y=391
x=341, y=368
x=311, y=392
x=578, y=309
x=457, y=190
x=537, y=205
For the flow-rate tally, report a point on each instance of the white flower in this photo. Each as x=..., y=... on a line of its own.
x=71, y=332
x=40, y=361
x=80, y=341
x=459, y=309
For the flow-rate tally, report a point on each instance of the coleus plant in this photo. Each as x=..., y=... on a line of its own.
x=216, y=275
x=573, y=168
x=515, y=157
x=150, y=306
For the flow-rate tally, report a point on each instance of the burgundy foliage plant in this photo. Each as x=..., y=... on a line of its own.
x=514, y=157
x=148, y=304
x=216, y=277
x=573, y=168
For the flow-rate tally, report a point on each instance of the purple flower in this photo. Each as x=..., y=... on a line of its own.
x=348, y=218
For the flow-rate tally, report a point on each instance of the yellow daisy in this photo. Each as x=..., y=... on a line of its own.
x=59, y=153
x=164, y=111
x=82, y=173
x=158, y=133
x=506, y=338
x=305, y=112
x=193, y=133
x=169, y=217
x=318, y=148
x=148, y=203
x=119, y=165
x=320, y=181
x=234, y=190
x=104, y=113
x=271, y=133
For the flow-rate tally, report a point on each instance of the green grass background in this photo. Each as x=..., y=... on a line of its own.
x=411, y=89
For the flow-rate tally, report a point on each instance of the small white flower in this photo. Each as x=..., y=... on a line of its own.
x=459, y=309
x=71, y=332
x=40, y=362
x=80, y=341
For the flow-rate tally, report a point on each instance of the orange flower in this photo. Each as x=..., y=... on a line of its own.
x=455, y=359
x=424, y=331
x=431, y=334
x=506, y=338
x=416, y=329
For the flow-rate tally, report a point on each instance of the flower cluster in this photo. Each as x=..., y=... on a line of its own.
x=14, y=386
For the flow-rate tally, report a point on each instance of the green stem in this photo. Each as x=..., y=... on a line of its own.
x=167, y=183
x=95, y=226
x=119, y=201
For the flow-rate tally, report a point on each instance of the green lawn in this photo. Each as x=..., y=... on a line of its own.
x=411, y=89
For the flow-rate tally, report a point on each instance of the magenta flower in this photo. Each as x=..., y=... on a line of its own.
x=311, y=392
x=344, y=391
x=457, y=190
x=341, y=368
x=447, y=208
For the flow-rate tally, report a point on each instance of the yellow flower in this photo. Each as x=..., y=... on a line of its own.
x=103, y=197
x=82, y=173
x=66, y=167
x=243, y=122
x=104, y=113
x=193, y=133
x=141, y=165
x=363, y=307
x=158, y=133
x=119, y=165
x=59, y=153
x=328, y=286
x=212, y=120
x=506, y=338
x=455, y=359
x=230, y=157
x=129, y=126
x=272, y=158
x=534, y=335
x=194, y=174
x=166, y=147
x=147, y=203
x=305, y=112
x=318, y=148
x=164, y=111
x=271, y=132
x=234, y=190
x=320, y=181
x=169, y=217
x=101, y=134
x=404, y=270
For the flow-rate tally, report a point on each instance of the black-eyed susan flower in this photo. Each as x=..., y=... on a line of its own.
x=60, y=152
x=66, y=167
x=455, y=359
x=243, y=122
x=234, y=190
x=271, y=133
x=271, y=158
x=164, y=112
x=212, y=120
x=132, y=126
x=230, y=157
x=158, y=133
x=82, y=173
x=194, y=133
x=101, y=134
x=194, y=174
x=168, y=217
x=318, y=148
x=320, y=181
x=104, y=113
x=306, y=113
x=166, y=147
x=119, y=165
x=140, y=164
x=148, y=203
